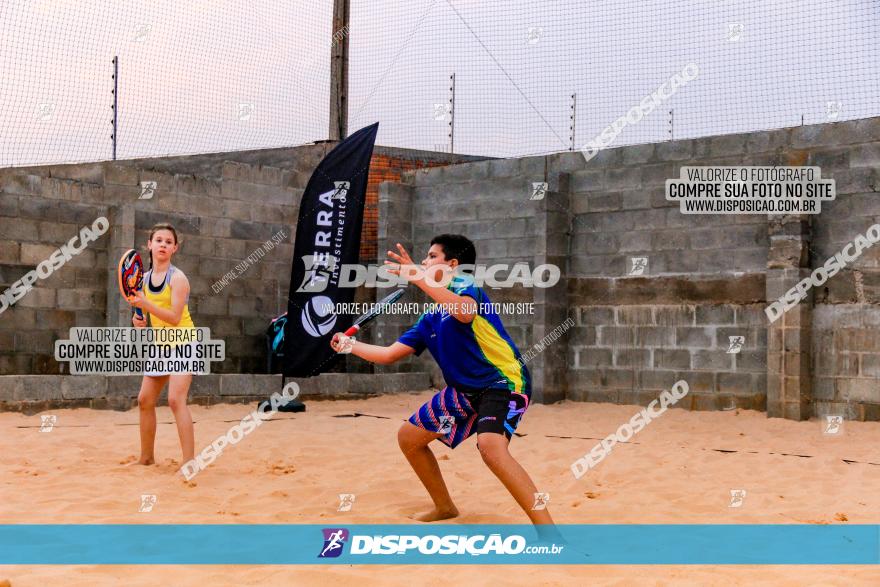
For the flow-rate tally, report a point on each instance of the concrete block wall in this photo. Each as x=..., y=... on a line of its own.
x=221, y=217
x=708, y=277
x=224, y=206
x=628, y=354
x=31, y=394
x=486, y=200
x=38, y=215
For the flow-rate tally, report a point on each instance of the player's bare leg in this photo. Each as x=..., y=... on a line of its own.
x=494, y=450
x=178, y=388
x=413, y=442
x=151, y=387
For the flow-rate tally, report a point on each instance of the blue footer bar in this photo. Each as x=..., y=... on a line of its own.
x=295, y=544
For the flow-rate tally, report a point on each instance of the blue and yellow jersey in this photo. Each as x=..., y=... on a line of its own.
x=162, y=298
x=475, y=356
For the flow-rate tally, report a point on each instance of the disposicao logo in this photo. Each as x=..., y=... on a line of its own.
x=334, y=540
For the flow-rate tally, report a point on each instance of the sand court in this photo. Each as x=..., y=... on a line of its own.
x=679, y=470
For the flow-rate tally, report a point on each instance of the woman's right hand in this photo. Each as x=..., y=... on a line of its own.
x=138, y=322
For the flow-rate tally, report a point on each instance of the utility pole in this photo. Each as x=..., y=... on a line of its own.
x=339, y=72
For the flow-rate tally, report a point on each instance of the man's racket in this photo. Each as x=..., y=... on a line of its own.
x=379, y=308
x=131, y=276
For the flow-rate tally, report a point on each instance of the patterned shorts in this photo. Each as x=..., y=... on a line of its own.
x=457, y=414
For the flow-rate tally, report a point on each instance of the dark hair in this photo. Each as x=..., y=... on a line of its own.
x=456, y=246
x=156, y=228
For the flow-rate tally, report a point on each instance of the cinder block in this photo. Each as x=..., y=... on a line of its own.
x=735, y=383
x=606, y=158
x=836, y=408
x=38, y=388
x=657, y=379
x=21, y=184
x=845, y=364
x=723, y=335
x=602, y=396
x=240, y=384
x=615, y=336
x=750, y=316
x=634, y=242
x=434, y=176
x=716, y=315
x=655, y=176
x=637, y=154
x=83, y=386
x=767, y=141
x=704, y=402
x=693, y=337
x=80, y=299
x=870, y=365
x=206, y=385
x=632, y=357
x=632, y=315
x=10, y=251
x=534, y=167
x=823, y=388
x=859, y=390
x=859, y=180
x=674, y=150
x=728, y=145
x=623, y=179
x=9, y=205
x=18, y=229
x=711, y=360
x=596, y=316
x=407, y=382
x=565, y=163
x=236, y=171
x=121, y=174
x=682, y=261
x=33, y=254
x=587, y=181
x=751, y=361
x=618, y=378
x=865, y=156
x=39, y=297
x=669, y=239
x=10, y=387
x=635, y=200
x=672, y=359
x=674, y=315
x=654, y=336
x=582, y=336
x=594, y=357
x=123, y=386
x=603, y=202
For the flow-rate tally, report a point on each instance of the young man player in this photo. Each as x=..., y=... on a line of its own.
x=488, y=388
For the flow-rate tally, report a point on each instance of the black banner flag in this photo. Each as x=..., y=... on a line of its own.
x=328, y=235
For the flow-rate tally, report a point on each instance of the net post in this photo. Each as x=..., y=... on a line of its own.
x=115, y=106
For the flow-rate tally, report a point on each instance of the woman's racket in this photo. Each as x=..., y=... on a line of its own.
x=377, y=309
x=131, y=276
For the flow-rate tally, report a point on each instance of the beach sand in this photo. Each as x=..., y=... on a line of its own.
x=291, y=470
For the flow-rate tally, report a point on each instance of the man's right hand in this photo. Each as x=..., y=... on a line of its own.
x=341, y=343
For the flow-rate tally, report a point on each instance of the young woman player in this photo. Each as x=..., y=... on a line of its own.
x=164, y=297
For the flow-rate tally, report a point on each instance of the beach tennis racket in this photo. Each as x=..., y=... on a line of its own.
x=379, y=308
x=131, y=276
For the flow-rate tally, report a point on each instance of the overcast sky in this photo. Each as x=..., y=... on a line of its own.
x=202, y=76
